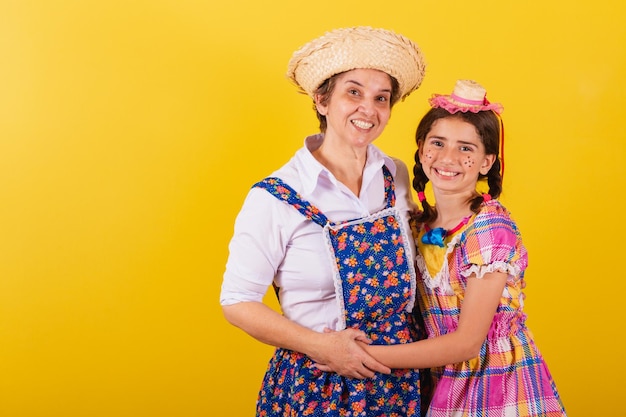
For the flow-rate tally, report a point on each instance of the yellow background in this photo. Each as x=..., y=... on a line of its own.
x=130, y=132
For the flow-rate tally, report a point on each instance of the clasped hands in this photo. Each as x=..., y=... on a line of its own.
x=344, y=352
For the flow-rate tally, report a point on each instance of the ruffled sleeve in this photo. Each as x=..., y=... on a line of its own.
x=493, y=243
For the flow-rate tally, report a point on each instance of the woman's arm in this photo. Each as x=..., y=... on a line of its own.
x=337, y=351
x=256, y=251
x=482, y=297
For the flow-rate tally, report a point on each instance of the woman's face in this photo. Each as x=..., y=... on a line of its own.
x=453, y=156
x=359, y=108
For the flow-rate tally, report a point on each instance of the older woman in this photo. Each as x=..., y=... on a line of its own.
x=329, y=230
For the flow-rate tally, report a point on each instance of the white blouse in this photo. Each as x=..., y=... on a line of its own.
x=274, y=242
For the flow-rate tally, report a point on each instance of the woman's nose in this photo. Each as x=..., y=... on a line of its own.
x=367, y=107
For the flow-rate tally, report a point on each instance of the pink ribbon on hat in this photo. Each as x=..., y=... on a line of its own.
x=470, y=102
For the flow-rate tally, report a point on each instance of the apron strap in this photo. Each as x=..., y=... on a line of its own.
x=282, y=191
x=390, y=188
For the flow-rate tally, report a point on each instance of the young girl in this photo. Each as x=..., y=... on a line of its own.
x=471, y=261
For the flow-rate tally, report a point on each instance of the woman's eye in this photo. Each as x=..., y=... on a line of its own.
x=382, y=99
x=353, y=92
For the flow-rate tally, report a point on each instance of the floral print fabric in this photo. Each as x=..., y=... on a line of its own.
x=375, y=285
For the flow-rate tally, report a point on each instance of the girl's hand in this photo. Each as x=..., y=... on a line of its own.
x=343, y=353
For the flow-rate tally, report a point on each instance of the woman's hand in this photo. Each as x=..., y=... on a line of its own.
x=341, y=352
x=332, y=351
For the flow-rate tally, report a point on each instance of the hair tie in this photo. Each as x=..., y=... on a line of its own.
x=421, y=197
x=486, y=197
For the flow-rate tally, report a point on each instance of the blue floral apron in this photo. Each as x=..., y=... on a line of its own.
x=375, y=286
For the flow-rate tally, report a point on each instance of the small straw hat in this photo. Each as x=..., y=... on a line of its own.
x=468, y=95
x=357, y=47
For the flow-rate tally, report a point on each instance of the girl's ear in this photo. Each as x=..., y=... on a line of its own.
x=487, y=164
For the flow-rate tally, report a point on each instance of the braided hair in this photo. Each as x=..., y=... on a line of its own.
x=488, y=128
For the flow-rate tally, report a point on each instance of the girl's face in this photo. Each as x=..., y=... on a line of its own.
x=453, y=156
x=359, y=107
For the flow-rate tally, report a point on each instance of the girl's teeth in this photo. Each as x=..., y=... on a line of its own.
x=446, y=173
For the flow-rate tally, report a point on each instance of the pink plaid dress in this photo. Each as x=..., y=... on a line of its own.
x=510, y=377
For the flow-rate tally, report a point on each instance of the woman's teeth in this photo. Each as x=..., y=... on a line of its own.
x=361, y=124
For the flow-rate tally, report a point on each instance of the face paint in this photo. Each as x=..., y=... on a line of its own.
x=452, y=154
x=469, y=162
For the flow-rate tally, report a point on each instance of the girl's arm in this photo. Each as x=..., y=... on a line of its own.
x=336, y=351
x=482, y=297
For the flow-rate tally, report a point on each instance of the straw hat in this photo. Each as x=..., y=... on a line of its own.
x=357, y=47
x=468, y=95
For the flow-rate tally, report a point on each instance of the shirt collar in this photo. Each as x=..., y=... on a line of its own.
x=311, y=169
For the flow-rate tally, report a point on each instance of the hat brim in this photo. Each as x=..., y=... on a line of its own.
x=453, y=106
x=346, y=49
